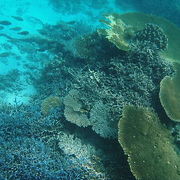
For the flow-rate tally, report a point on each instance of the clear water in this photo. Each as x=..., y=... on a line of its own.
x=35, y=35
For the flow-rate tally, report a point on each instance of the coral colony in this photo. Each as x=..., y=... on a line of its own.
x=104, y=102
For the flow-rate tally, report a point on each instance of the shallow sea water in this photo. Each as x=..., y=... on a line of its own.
x=63, y=88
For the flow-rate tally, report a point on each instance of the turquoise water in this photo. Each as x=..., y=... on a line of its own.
x=63, y=87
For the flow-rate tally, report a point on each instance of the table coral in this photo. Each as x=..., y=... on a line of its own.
x=170, y=94
x=148, y=144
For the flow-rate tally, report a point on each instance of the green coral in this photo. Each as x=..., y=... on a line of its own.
x=170, y=94
x=148, y=144
x=123, y=26
x=118, y=33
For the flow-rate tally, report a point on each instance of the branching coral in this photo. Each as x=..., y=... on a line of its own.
x=28, y=158
x=24, y=151
x=85, y=153
x=149, y=41
x=94, y=154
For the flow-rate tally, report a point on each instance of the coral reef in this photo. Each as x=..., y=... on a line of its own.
x=97, y=117
x=63, y=33
x=54, y=79
x=86, y=153
x=28, y=158
x=109, y=83
x=176, y=132
x=102, y=96
x=131, y=19
x=116, y=67
x=23, y=152
x=101, y=122
x=83, y=99
x=170, y=94
x=96, y=88
x=34, y=146
x=148, y=144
